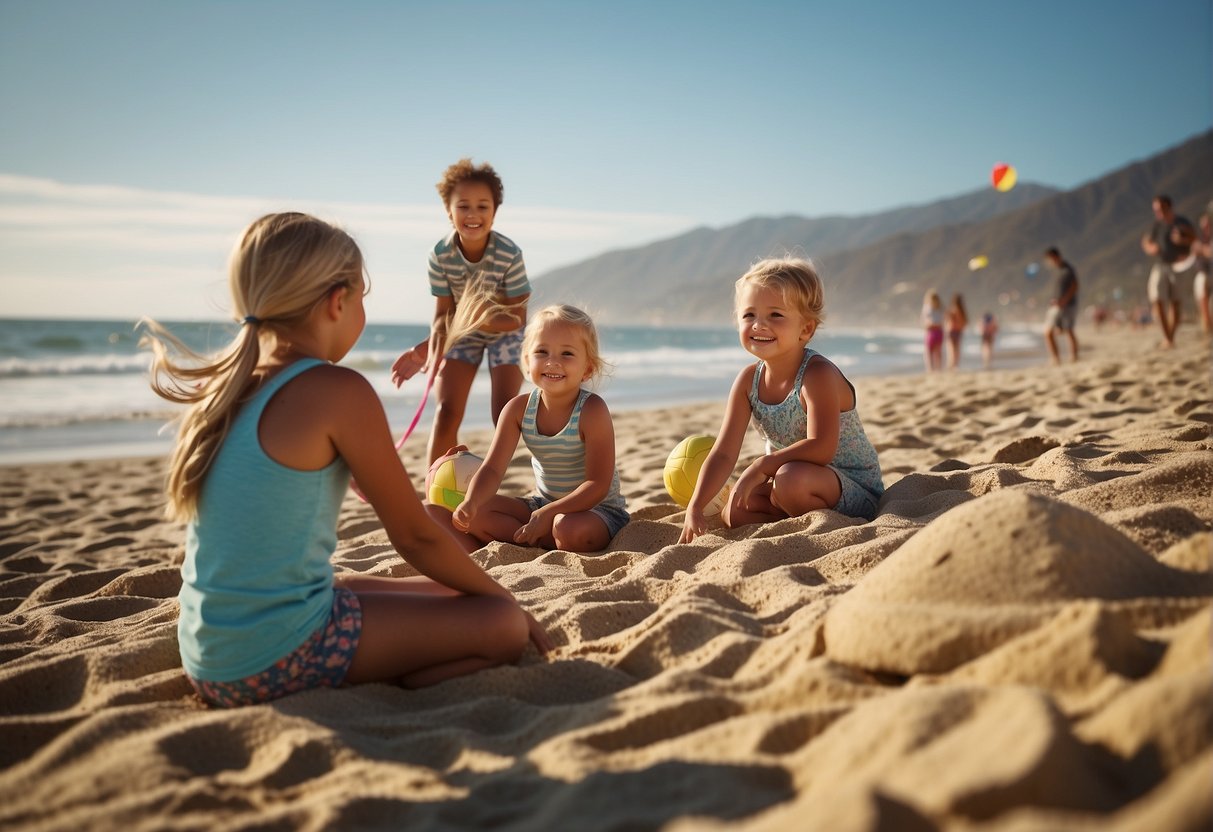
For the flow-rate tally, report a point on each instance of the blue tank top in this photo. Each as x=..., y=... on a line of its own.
x=559, y=461
x=786, y=422
x=257, y=580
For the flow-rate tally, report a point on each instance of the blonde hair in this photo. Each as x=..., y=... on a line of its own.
x=281, y=268
x=574, y=317
x=476, y=307
x=931, y=298
x=795, y=277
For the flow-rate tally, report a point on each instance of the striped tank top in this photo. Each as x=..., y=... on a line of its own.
x=559, y=461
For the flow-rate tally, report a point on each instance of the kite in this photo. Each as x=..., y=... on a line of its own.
x=1003, y=176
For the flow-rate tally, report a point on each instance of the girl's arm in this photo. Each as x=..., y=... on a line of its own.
x=722, y=458
x=598, y=433
x=444, y=307
x=410, y=361
x=487, y=479
x=358, y=429
x=820, y=393
x=508, y=321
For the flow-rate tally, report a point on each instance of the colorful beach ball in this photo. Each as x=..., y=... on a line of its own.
x=682, y=472
x=1003, y=176
x=446, y=482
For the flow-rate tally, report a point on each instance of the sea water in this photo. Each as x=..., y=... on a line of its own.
x=76, y=389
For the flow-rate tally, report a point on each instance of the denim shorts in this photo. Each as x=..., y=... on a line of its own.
x=855, y=500
x=320, y=662
x=614, y=516
x=503, y=349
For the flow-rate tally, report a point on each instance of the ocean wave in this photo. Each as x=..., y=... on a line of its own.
x=61, y=420
x=74, y=365
x=59, y=342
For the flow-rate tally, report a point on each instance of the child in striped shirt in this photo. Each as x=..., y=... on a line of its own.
x=477, y=265
x=577, y=505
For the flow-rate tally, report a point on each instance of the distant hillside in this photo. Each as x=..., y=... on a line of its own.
x=679, y=267
x=1098, y=227
x=877, y=267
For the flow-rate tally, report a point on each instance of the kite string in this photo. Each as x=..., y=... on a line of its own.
x=425, y=395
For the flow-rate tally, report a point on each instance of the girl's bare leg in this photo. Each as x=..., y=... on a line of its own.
x=582, y=531
x=451, y=390
x=424, y=638
x=506, y=381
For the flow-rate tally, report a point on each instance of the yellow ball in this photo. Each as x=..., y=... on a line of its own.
x=682, y=472
x=447, y=480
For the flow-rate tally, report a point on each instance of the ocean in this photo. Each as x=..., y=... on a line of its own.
x=77, y=389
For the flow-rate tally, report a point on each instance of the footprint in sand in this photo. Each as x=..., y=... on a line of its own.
x=1022, y=450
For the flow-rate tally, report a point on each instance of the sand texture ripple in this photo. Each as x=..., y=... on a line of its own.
x=1019, y=642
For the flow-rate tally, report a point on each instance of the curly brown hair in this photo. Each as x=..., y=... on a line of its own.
x=465, y=171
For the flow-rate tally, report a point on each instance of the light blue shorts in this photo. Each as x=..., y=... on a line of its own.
x=855, y=501
x=503, y=349
x=614, y=516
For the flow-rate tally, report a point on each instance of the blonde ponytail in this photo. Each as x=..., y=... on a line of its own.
x=476, y=308
x=281, y=267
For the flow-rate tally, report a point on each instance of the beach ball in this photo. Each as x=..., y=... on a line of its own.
x=978, y=262
x=447, y=480
x=1031, y=270
x=682, y=472
x=1003, y=176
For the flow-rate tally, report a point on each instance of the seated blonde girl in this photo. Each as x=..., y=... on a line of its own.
x=577, y=505
x=273, y=431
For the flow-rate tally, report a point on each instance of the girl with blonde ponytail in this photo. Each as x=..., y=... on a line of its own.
x=272, y=433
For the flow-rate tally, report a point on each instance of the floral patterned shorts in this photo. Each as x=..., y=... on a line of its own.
x=320, y=662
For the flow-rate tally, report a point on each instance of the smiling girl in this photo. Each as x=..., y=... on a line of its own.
x=817, y=454
x=577, y=505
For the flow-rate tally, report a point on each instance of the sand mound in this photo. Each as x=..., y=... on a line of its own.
x=982, y=574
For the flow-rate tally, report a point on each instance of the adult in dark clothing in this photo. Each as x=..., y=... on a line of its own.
x=1063, y=311
x=1169, y=241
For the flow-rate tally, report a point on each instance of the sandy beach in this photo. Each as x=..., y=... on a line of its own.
x=1019, y=641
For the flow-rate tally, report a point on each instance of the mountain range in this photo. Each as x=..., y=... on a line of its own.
x=877, y=267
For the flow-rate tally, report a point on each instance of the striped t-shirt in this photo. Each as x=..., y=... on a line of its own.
x=501, y=265
x=559, y=461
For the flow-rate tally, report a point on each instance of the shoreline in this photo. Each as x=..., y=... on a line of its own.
x=152, y=437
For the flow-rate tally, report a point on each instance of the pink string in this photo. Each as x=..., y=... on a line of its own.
x=429, y=383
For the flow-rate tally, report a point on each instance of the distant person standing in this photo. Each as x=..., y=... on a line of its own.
x=1203, y=248
x=957, y=319
x=932, y=324
x=1169, y=240
x=1064, y=309
x=989, y=329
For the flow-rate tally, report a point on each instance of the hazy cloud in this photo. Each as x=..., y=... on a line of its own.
x=127, y=252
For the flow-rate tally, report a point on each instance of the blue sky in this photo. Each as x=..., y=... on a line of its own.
x=140, y=137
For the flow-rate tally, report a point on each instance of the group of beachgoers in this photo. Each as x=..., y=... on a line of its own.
x=274, y=432
x=1180, y=250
